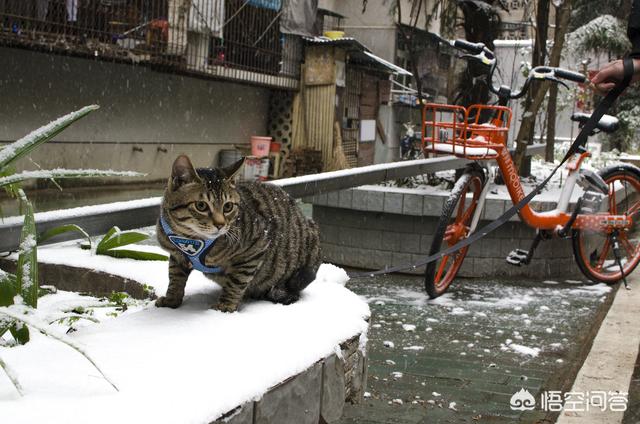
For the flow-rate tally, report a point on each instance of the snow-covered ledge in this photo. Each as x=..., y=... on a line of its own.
x=266, y=363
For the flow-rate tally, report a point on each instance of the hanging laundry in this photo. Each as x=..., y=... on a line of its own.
x=72, y=10
x=207, y=17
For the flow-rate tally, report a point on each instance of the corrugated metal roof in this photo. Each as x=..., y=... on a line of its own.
x=359, y=52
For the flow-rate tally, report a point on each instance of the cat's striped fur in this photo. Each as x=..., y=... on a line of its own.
x=267, y=248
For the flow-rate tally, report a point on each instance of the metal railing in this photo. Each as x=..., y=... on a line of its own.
x=228, y=39
x=96, y=220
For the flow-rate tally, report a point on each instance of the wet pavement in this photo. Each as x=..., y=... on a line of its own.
x=462, y=357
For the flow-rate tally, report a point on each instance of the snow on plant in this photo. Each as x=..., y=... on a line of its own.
x=115, y=238
x=606, y=35
x=24, y=315
x=603, y=34
x=21, y=290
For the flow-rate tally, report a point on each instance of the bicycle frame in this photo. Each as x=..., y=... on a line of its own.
x=559, y=217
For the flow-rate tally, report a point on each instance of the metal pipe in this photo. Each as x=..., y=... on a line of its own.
x=97, y=220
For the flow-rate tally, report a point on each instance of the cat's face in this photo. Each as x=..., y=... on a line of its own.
x=203, y=204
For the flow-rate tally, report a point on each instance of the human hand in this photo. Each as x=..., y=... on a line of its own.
x=612, y=73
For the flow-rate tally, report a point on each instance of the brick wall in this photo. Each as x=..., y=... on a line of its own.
x=372, y=227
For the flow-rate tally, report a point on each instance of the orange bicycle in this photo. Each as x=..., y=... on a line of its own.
x=606, y=241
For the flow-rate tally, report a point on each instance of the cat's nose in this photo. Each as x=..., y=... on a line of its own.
x=218, y=220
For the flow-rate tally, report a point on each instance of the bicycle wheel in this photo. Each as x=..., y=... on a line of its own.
x=593, y=250
x=453, y=226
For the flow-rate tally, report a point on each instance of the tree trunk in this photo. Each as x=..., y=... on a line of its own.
x=527, y=125
x=551, y=123
x=563, y=13
x=558, y=39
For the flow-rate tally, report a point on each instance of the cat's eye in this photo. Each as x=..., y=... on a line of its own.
x=201, y=206
x=228, y=207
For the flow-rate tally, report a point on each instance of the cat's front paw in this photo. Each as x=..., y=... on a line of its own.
x=224, y=307
x=168, y=302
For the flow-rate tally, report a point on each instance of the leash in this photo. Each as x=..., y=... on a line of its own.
x=580, y=140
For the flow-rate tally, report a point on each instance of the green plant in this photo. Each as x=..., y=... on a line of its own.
x=19, y=292
x=119, y=299
x=115, y=238
x=63, y=229
x=606, y=35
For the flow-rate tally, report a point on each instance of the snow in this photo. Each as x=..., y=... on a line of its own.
x=87, y=210
x=408, y=327
x=152, y=273
x=414, y=348
x=65, y=173
x=205, y=361
x=524, y=350
x=513, y=43
x=349, y=172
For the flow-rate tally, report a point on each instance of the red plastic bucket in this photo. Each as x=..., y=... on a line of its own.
x=260, y=146
x=275, y=146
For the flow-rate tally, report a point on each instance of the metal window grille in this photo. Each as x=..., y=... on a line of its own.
x=228, y=39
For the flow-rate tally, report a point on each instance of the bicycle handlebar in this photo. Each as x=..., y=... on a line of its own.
x=479, y=51
x=473, y=48
x=570, y=75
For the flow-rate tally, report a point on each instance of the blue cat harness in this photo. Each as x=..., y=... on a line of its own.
x=193, y=249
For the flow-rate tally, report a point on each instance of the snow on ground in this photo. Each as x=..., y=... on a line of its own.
x=489, y=305
x=187, y=365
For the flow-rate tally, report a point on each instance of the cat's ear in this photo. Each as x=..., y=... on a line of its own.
x=182, y=172
x=231, y=171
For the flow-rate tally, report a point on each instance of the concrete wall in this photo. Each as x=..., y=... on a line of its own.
x=375, y=28
x=373, y=228
x=139, y=108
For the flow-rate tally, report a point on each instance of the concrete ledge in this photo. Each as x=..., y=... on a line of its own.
x=611, y=361
x=84, y=280
x=410, y=201
x=318, y=394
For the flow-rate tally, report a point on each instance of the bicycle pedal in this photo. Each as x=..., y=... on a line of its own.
x=517, y=257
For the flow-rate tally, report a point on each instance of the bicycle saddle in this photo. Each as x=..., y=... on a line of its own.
x=607, y=123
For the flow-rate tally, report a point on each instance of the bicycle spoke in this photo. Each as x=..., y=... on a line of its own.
x=634, y=209
x=441, y=268
x=624, y=240
x=603, y=254
x=463, y=200
x=612, y=200
x=469, y=211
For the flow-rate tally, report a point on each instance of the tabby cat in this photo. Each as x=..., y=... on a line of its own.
x=250, y=238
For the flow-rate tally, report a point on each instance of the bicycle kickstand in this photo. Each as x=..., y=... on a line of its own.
x=616, y=254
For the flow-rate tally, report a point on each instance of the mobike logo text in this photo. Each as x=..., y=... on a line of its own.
x=511, y=175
